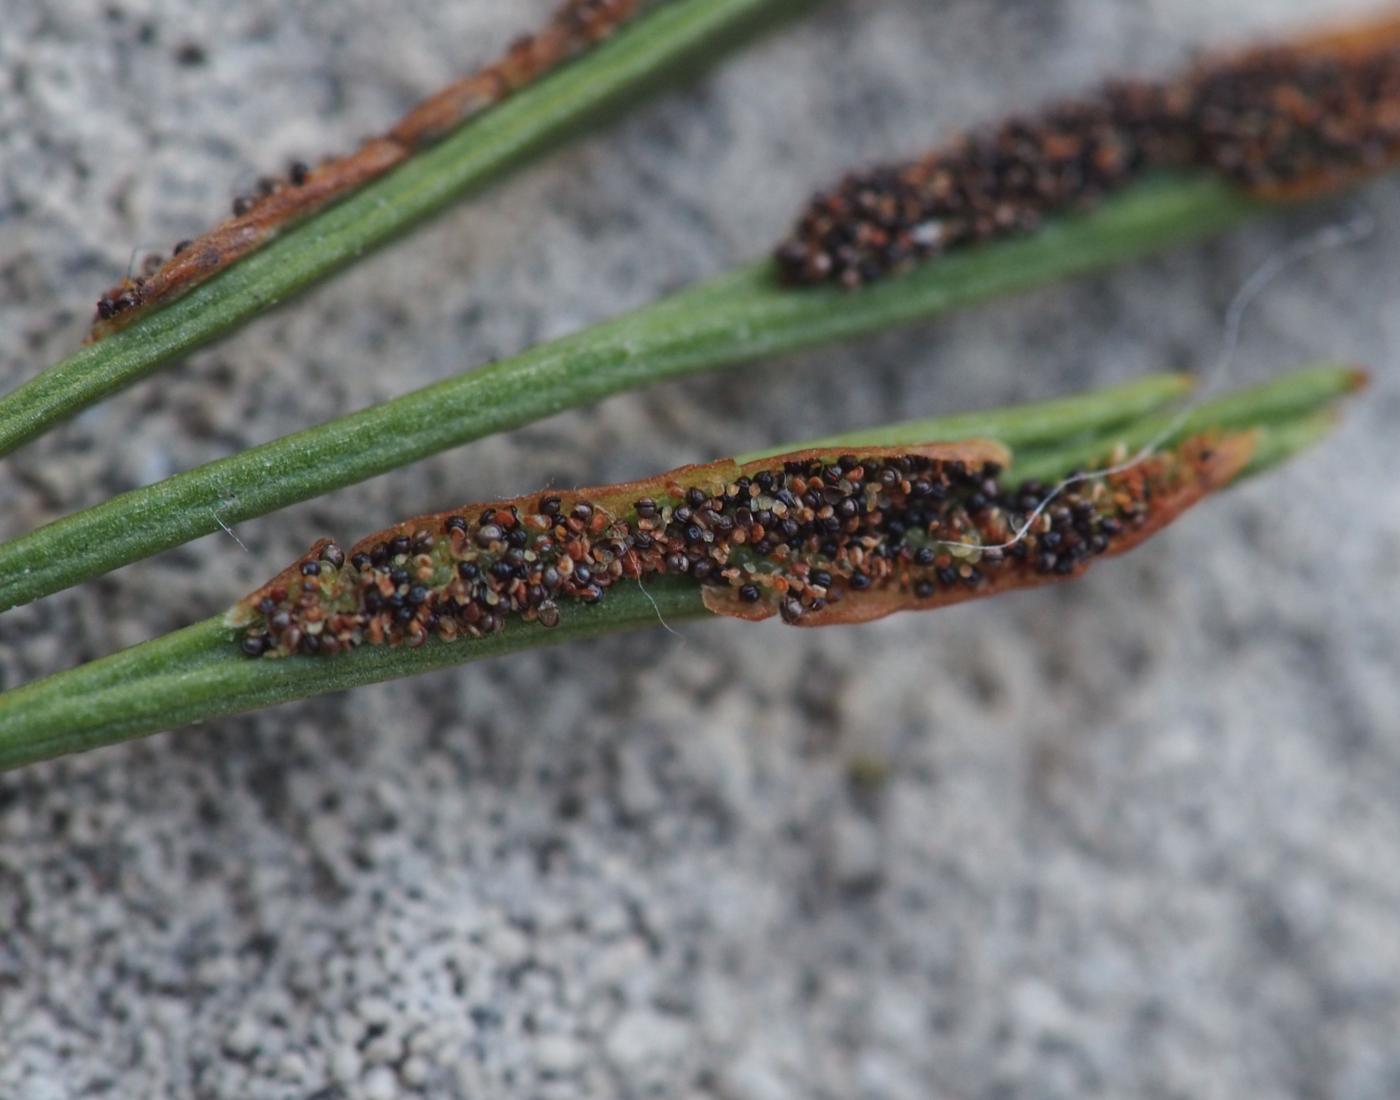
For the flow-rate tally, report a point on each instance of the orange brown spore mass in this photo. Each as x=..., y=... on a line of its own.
x=279, y=203
x=817, y=537
x=1284, y=122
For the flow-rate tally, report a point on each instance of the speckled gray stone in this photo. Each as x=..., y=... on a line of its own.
x=1139, y=836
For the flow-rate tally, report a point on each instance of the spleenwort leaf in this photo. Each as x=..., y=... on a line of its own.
x=1236, y=122
x=734, y=320
x=202, y=672
x=650, y=50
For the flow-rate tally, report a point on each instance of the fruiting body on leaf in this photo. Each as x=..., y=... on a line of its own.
x=1282, y=123
x=575, y=27
x=818, y=537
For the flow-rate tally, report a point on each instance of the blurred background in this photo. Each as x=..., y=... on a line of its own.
x=1133, y=836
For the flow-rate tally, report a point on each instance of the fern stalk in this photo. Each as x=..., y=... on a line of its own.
x=731, y=321
x=198, y=674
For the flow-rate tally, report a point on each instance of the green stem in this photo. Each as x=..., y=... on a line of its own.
x=1280, y=440
x=734, y=320
x=502, y=138
x=1286, y=398
x=198, y=674
x=1021, y=426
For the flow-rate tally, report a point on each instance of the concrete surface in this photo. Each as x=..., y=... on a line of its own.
x=1134, y=837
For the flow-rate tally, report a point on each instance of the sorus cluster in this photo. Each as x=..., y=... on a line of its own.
x=1279, y=122
x=818, y=537
x=278, y=202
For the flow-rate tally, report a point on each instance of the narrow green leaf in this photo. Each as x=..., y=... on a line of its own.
x=1022, y=426
x=734, y=320
x=198, y=674
x=1283, y=399
x=531, y=121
